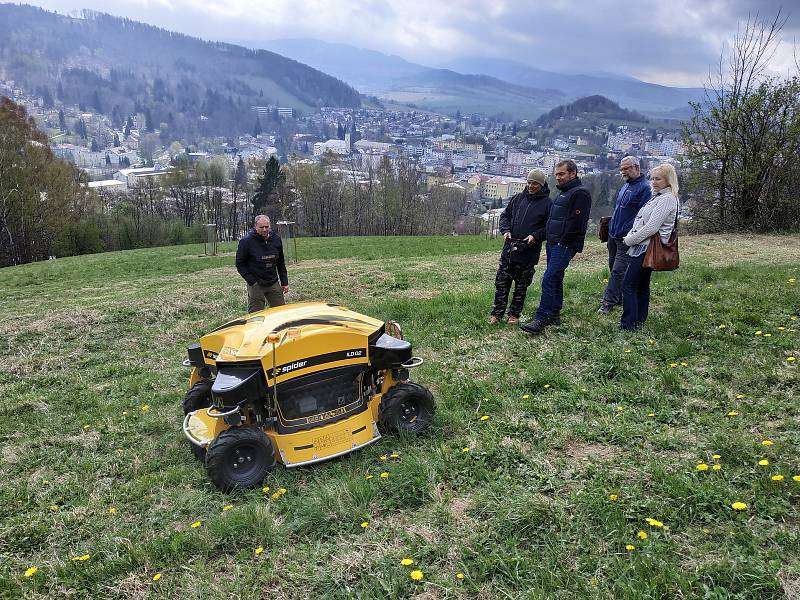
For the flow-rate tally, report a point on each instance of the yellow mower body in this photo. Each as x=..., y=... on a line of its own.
x=315, y=380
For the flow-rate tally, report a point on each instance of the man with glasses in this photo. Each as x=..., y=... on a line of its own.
x=259, y=260
x=565, y=234
x=633, y=196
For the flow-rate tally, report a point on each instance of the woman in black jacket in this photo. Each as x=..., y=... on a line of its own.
x=522, y=224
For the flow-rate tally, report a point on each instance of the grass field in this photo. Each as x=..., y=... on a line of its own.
x=590, y=433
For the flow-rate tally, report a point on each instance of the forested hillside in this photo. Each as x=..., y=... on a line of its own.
x=120, y=67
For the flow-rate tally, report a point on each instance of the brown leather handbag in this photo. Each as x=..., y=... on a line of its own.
x=663, y=256
x=603, y=231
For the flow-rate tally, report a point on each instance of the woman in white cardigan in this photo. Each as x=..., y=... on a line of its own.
x=657, y=216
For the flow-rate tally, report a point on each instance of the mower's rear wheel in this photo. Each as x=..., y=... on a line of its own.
x=406, y=407
x=240, y=457
x=198, y=396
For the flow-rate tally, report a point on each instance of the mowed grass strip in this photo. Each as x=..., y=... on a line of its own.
x=546, y=458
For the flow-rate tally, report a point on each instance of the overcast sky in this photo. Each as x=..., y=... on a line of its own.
x=672, y=42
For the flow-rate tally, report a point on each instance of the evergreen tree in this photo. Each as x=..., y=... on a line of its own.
x=96, y=102
x=60, y=90
x=339, y=131
x=257, y=130
x=47, y=98
x=62, y=121
x=240, y=178
x=81, y=129
x=116, y=141
x=95, y=146
x=128, y=126
x=108, y=160
x=267, y=183
x=148, y=121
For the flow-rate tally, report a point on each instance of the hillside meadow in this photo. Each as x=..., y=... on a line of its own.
x=585, y=463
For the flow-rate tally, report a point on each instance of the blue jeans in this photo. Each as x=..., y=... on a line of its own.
x=635, y=294
x=552, y=300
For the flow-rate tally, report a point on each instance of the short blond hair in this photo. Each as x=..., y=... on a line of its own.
x=668, y=172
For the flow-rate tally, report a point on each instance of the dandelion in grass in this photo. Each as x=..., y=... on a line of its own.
x=733, y=413
x=406, y=562
x=781, y=328
x=739, y=506
x=465, y=449
x=196, y=524
x=394, y=455
x=485, y=418
x=739, y=396
x=796, y=477
x=275, y=495
x=702, y=467
x=86, y=426
x=368, y=477
x=81, y=558
x=763, y=462
x=54, y=507
x=265, y=489
x=791, y=359
x=759, y=333
x=628, y=350
x=642, y=535
x=384, y=457
x=385, y=475
x=683, y=364
x=30, y=572
x=259, y=551
x=717, y=467
x=525, y=396
x=281, y=491
x=613, y=497
x=777, y=478
x=791, y=280
x=364, y=524
x=793, y=318
x=654, y=522
x=112, y=510
x=124, y=413
x=767, y=335
x=459, y=576
x=717, y=456
x=673, y=365
x=630, y=547
x=227, y=507
x=619, y=408
x=145, y=407
x=766, y=443
x=723, y=326
x=157, y=576
x=651, y=414
x=547, y=386
x=416, y=575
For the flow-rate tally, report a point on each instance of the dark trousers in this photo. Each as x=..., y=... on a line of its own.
x=618, y=260
x=635, y=294
x=258, y=295
x=521, y=275
x=552, y=300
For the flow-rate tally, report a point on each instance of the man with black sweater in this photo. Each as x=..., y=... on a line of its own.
x=566, y=230
x=522, y=224
x=260, y=262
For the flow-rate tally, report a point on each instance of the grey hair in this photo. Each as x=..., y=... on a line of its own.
x=634, y=160
x=258, y=217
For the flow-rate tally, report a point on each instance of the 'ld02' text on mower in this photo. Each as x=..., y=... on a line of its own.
x=297, y=384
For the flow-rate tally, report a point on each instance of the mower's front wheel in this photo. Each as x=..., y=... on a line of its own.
x=406, y=407
x=198, y=396
x=240, y=457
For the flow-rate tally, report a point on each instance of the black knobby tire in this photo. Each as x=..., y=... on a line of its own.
x=198, y=396
x=240, y=457
x=406, y=407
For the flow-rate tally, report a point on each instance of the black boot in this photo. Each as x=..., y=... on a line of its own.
x=533, y=327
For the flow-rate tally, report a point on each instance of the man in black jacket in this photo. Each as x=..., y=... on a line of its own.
x=522, y=224
x=566, y=230
x=259, y=260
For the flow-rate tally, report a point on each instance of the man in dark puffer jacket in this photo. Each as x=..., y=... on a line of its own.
x=522, y=224
x=566, y=230
x=260, y=262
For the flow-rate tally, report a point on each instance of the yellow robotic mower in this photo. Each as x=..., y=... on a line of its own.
x=297, y=384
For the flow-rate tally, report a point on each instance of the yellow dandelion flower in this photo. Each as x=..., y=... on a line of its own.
x=654, y=522
x=777, y=478
x=364, y=524
x=86, y=426
x=547, y=386
x=54, y=507
x=259, y=550
x=145, y=407
x=384, y=457
x=738, y=506
x=717, y=467
x=227, y=507
x=196, y=524
x=394, y=455
x=124, y=413
x=275, y=495
x=281, y=491
x=30, y=572
x=368, y=477
x=384, y=475
x=793, y=318
x=112, y=511
x=766, y=443
x=763, y=462
x=157, y=576
x=767, y=335
x=796, y=477
x=722, y=326
x=759, y=333
x=265, y=489
x=630, y=547
x=485, y=418
x=781, y=328
x=791, y=280
x=739, y=396
x=683, y=364
x=702, y=467
x=733, y=413
x=628, y=350
x=407, y=562
x=619, y=408
x=459, y=576
x=642, y=535
x=525, y=396
x=465, y=449
x=416, y=575
x=791, y=359
x=613, y=497
x=673, y=365
x=81, y=558
x=716, y=457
